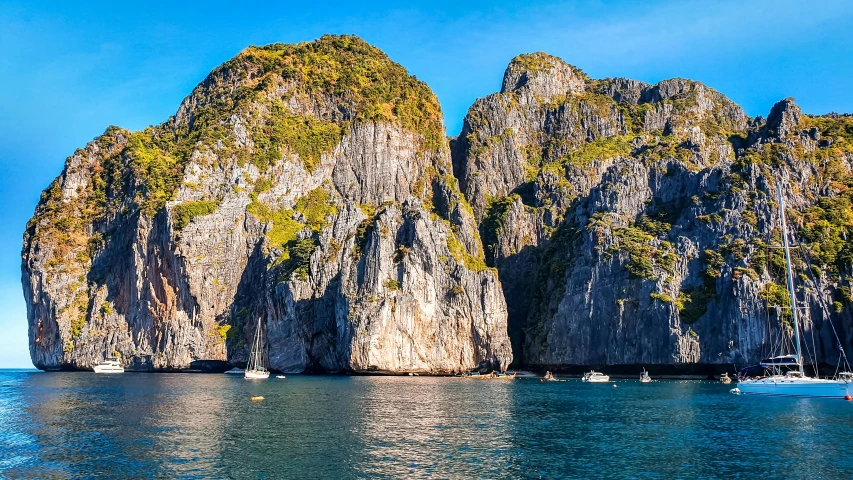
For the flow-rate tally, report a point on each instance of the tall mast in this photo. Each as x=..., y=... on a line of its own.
x=255, y=355
x=790, y=278
x=258, y=345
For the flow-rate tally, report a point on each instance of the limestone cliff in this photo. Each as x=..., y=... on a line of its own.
x=306, y=185
x=636, y=224
x=592, y=222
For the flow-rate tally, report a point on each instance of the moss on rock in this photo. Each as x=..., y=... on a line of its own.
x=185, y=212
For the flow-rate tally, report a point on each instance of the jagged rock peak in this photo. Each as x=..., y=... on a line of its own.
x=625, y=90
x=545, y=75
x=338, y=78
x=550, y=114
x=784, y=118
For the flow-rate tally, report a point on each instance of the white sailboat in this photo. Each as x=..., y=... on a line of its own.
x=794, y=383
x=255, y=367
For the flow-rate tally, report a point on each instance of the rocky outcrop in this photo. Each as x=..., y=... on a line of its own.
x=311, y=187
x=635, y=224
x=306, y=186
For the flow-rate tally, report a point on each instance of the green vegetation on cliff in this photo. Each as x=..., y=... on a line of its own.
x=314, y=208
x=284, y=227
x=825, y=228
x=535, y=62
x=156, y=169
x=283, y=131
x=778, y=297
x=601, y=148
x=358, y=74
x=493, y=222
x=837, y=127
x=471, y=262
x=185, y=212
x=649, y=256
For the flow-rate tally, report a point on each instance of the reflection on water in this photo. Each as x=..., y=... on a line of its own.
x=433, y=427
x=65, y=425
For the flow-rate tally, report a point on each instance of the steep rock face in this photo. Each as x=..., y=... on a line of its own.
x=635, y=224
x=306, y=185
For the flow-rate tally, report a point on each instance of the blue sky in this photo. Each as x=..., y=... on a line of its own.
x=67, y=72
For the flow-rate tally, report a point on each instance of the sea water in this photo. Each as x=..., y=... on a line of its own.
x=138, y=425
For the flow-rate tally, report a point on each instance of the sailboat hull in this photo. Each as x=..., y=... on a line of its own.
x=254, y=374
x=800, y=387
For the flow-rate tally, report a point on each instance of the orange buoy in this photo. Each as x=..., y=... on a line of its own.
x=848, y=397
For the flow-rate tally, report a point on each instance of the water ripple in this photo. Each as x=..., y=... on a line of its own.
x=64, y=425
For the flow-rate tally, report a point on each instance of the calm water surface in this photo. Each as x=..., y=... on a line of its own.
x=136, y=425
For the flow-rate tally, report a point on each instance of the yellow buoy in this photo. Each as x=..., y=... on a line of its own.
x=257, y=399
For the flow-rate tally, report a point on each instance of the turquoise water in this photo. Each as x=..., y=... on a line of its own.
x=136, y=425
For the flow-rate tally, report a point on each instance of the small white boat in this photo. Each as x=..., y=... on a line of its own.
x=595, y=377
x=644, y=377
x=280, y=376
x=255, y=367
x=110, y=365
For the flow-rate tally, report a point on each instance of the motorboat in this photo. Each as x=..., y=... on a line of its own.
x=109, y=365
x=549, y=377
x=644, y=377
x=595, y=377
x=725, y=379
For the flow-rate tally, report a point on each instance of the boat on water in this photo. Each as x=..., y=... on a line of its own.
x=725, y=379
x=255, y=367
x=595, y=377
x=109, y=365
x=490, y=376
x=785, y=375
x=644, y=377
x=549, y=377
